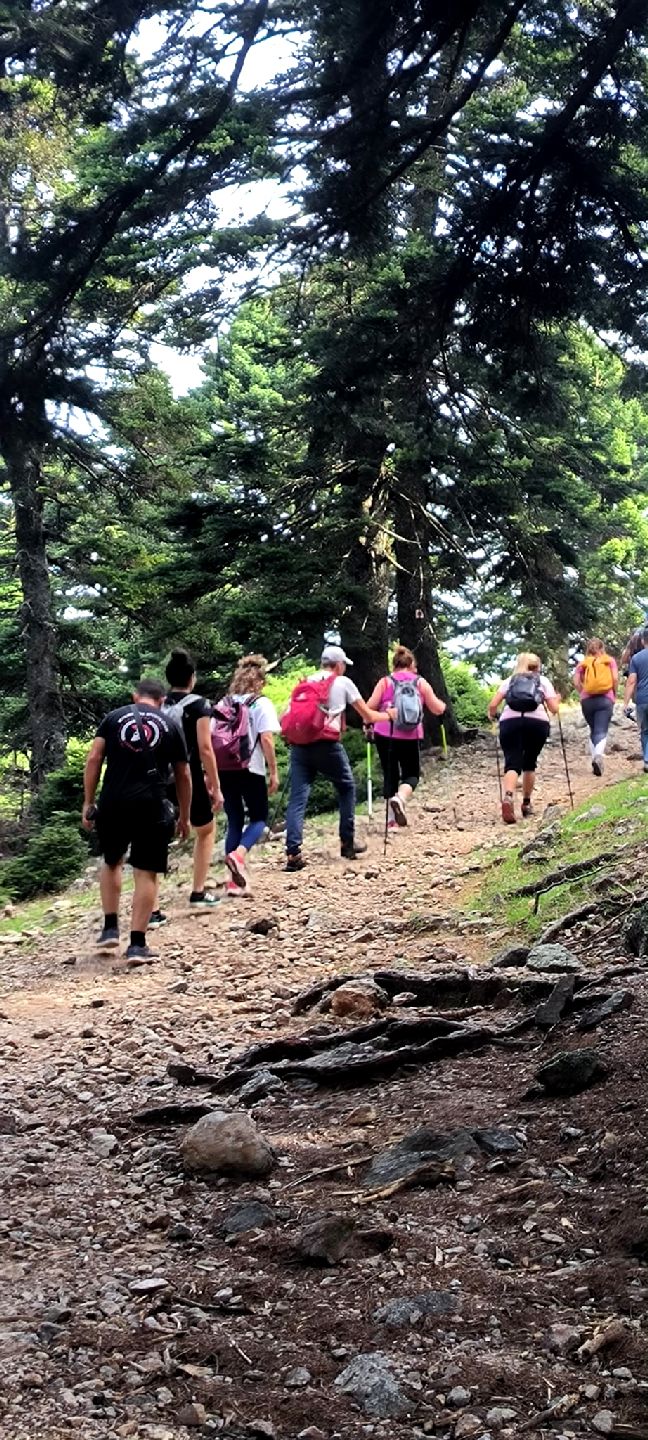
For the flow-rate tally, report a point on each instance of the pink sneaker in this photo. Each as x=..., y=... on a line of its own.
x=508, y=810
x=233, y=890
x=236, y=866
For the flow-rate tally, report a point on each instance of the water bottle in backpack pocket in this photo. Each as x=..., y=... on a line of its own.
x=230, y=732
x=407, y=703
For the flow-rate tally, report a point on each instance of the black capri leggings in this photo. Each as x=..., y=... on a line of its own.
x=400, y=761
x=522, y=740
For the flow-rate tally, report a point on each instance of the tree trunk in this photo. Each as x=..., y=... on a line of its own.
x=363, y=628
x=23, y=441
x=414, y=590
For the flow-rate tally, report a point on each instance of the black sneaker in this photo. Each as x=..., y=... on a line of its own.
x=295, y=862
x=157, y=918
x=598, y=765
x=352, y=849
x=527, y=808
x=107, y=940
x=140, y=954
x=203, y=902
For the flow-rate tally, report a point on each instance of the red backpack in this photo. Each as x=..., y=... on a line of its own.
x=307, y=720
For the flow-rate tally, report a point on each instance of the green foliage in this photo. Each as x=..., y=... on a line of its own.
x=61, y=796
x=469, y=697
x=53, y=856
x=621, y=821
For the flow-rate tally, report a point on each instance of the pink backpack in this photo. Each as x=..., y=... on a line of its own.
x=230, y=733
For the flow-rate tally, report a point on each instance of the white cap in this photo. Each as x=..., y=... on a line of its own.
x=334, y=655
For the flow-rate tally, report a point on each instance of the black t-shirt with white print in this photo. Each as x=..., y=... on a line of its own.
x=141, y=744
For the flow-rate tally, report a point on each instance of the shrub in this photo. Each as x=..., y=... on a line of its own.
x=62, y=791
x=54, y=854
x=469, y=697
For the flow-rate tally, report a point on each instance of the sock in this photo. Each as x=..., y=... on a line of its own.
x=138, y=937
x=111, y=920
x=197, y=895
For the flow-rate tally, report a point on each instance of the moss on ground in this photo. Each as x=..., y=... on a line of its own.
x=615, y=820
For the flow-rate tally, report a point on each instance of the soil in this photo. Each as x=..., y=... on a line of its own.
x=239, y=1327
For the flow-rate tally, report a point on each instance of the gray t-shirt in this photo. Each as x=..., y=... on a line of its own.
x=343, y=692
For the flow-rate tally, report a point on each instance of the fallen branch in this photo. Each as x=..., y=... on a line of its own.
x=557, y=1411
x=567, y=872
x=432, y=1172
x=328, y=1170
x=566, y=921
x=604, y=1335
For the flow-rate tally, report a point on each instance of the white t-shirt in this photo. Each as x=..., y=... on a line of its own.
x=263, y=718
x=343, y=692
x=540, y=713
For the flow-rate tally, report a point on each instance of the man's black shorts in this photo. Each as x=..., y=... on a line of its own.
x=143, y=828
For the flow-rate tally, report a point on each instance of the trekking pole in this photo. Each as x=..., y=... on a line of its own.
x=369, y=781
x=387, y=779
x=444, y=742
x=272, y=820
x=562, y=741
x=497, y=762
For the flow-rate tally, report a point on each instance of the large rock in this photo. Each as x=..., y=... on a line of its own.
x=227, y=1142
x=553, y=960
x=325, y=1240
x=571, y=1071
x=358, y=1000
x=513, y=957
x=371, y=1380
x=254, y=1216
x=635, y=932
x=424, y=1145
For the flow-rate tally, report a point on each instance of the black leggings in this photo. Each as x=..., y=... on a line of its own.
x=522, y=740
x=598, y=710
x=400, y=761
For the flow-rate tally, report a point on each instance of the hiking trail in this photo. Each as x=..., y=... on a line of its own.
x=460, y=1286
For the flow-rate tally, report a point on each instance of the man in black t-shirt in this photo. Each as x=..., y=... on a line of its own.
x=193, y=714
x=139, y=746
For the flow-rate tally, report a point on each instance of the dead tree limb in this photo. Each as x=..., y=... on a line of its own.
x=567, y=872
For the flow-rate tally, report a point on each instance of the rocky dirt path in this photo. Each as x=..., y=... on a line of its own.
x=139, y=1301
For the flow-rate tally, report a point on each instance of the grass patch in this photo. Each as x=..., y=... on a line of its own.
x=614, y=820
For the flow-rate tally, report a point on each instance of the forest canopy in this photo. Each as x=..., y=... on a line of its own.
x=407, y=245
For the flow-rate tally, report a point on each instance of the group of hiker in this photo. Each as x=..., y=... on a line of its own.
x=172, y=759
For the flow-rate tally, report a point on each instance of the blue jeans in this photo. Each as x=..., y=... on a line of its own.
x=642, y=721
x=327, y=758
x=243, y=792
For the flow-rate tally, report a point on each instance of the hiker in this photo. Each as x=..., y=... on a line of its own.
x=633, y=645
x=596, y=678
x=636, y=689
x=137, y=744
x=243, y=775
x=313, y=726
x=193, y=714
x=399, y=745
x=523, y=728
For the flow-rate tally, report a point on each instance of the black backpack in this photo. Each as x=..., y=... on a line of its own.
x=524, y=693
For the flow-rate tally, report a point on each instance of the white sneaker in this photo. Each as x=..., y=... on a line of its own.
x=398, y=810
